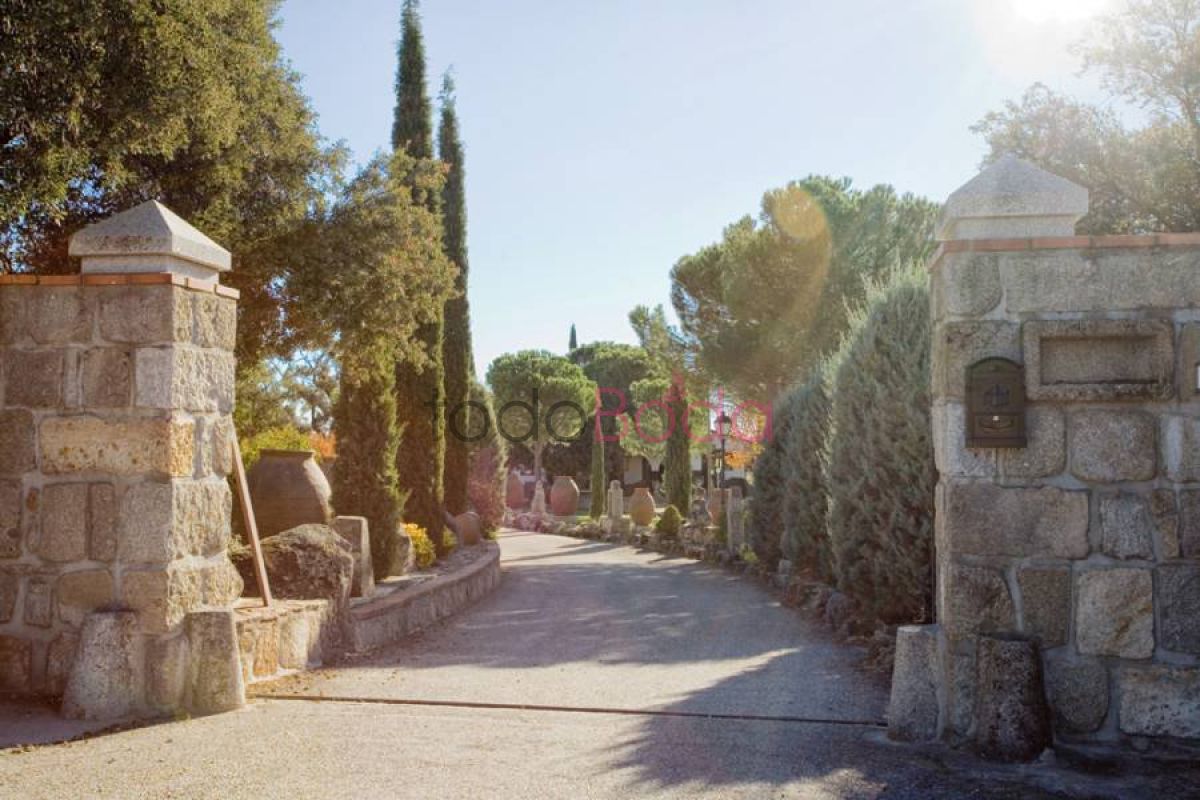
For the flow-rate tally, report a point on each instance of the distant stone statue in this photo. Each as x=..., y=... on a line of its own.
x=539, y=499
x=735, y=526
x=699, y=510
x=616, y=501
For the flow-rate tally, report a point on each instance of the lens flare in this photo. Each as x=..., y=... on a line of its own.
x=1043, y=11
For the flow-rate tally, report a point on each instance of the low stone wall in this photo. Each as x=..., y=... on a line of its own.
x=289, y=636
x=389, y=618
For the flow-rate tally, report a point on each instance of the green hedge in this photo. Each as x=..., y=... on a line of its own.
x=767, y=501
x=879, y=466
x=805, y=502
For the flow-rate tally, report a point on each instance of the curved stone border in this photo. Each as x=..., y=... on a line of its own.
x=390, y=618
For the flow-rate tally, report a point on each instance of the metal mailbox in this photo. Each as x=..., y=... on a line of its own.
x=996, y=404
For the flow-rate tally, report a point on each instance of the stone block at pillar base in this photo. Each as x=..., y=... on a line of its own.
x=1012, y=719
x=914, y=710
x=215, y=679
x=106, y=680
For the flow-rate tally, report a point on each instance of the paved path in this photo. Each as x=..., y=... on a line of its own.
x=667, y=678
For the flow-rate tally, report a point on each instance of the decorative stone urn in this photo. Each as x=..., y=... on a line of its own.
x=514, y=490
x=288, y=489
x=564, y=497
x=641, y=507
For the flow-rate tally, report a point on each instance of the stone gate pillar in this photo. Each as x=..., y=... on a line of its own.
x=115, y=434
x=1086, y=533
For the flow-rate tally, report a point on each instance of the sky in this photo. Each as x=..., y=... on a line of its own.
x=605, y=140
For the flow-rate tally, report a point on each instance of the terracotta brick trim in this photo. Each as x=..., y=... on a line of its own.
x=121, y=279
x=1066, y=243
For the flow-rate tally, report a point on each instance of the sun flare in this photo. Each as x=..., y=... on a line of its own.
x=1043, y=11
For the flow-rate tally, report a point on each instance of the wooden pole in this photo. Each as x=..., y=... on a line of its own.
x=260, y=568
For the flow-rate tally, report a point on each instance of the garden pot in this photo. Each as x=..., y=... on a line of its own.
x=514, y=491
x=288, y=489
x=564, y=497
x=641, y=507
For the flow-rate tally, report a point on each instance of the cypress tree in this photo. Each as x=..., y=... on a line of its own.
x=573, y=344
x=420, y=394
x=412, y=120
x=678, y=459
x=596, y=510
x=457, y=355
x=364, y=475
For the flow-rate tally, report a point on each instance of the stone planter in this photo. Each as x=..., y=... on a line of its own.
x=564, y=497
x=641, y=507
x=288, y=489
x=514, y=490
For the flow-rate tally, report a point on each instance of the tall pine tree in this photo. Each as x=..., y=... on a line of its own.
x=457, y=355
x=420, y=393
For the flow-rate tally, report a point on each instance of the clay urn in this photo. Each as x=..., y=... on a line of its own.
x=564, y=497
x=641, y=507
x=288, y=489
x=514, y=490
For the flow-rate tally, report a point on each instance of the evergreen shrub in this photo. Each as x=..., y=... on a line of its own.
x=805, y=498
x=879, y=466
x=669, y=523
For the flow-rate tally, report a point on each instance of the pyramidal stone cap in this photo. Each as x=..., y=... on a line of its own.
x=1013, y=199
x=149, y=238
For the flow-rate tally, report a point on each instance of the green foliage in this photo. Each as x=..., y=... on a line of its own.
x=805, y=500
x=879, y=463
x=596, y=507
x=645, y=423
x=309, y=382
x=615, y=366
x=420, y=461
x=489, y=456
x=765, y=532
x=1140, y=179
x=449, y=542
x=424, y=553
x=412, y=120
x=653, y=404
x=457, y=354
x=514, y=377
x=285, y=437
x=677, y=463
x=375, y=273
x=364, y=474
x=261, y=402
x=420, y=383
x=572, y=341
x=762, y=305
x=669, y=522
x=105, y=105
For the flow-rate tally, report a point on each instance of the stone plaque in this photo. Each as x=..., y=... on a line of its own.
x=995, y=404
